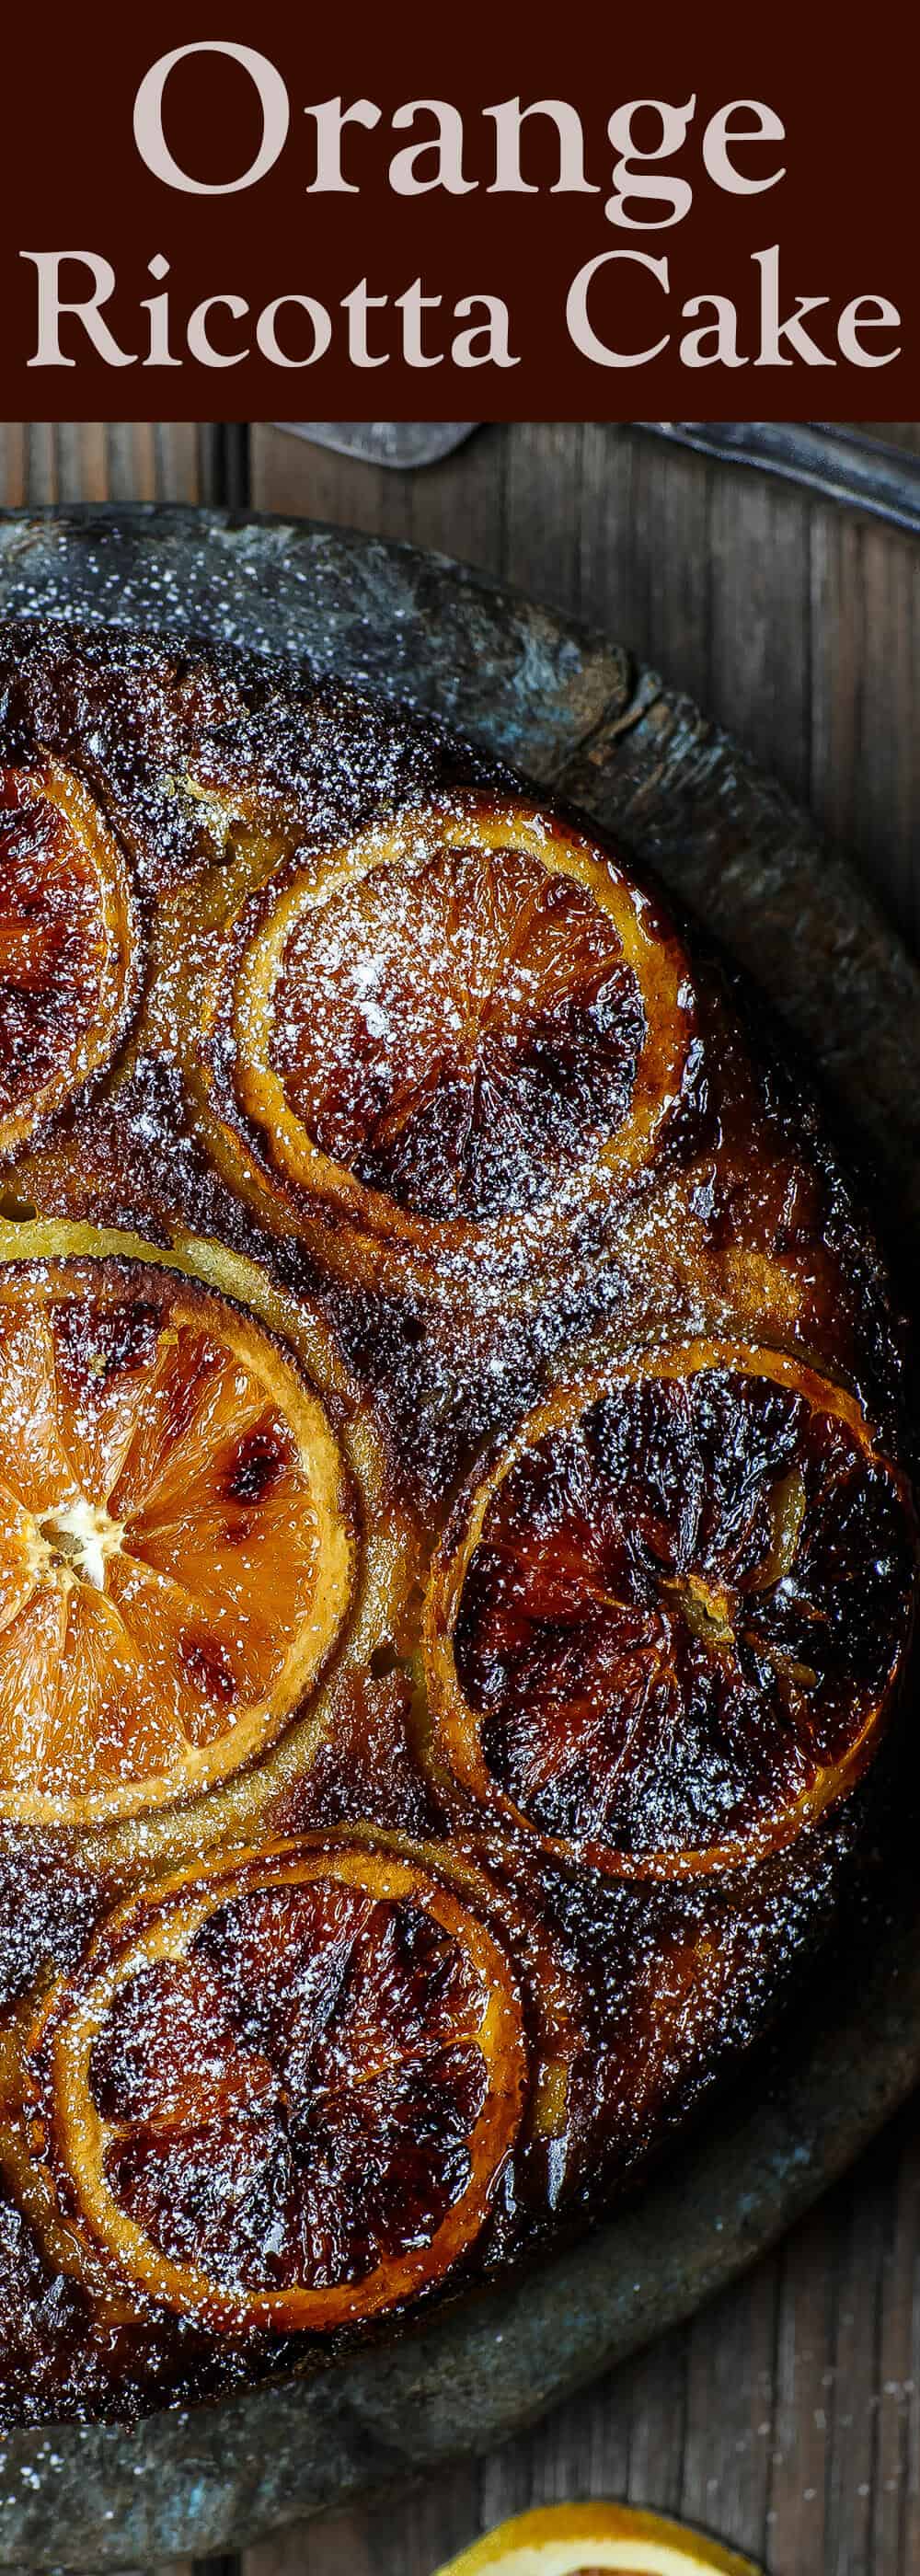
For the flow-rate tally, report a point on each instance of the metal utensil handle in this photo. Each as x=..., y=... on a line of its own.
x=840, y=464
x=403, y=444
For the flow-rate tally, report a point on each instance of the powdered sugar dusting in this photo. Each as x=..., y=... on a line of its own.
x=466, y=1038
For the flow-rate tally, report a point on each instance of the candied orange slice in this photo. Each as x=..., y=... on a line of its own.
x=280, y=2092
x=67, y=945
x=665, y=1629
x=177, y=1550
x=553, y=1994
x=441, y=1035
x=583, y=2539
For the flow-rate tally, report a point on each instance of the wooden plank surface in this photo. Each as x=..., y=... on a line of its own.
x=107, y=460
x=787, y=2415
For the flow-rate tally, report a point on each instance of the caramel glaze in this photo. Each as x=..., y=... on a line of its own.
x=745, y=1224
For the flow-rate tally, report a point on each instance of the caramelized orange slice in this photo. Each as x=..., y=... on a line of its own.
x=447, y=1038
x=280, y=2092
x=665, y=1629
x=67, y=941
x=583, y=2539
x=177, y=1554
x=552, y=1991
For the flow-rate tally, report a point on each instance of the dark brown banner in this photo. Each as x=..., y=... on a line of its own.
x=309, y=214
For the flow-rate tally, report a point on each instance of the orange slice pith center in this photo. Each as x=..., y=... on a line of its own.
x=674, y=1620
x=286, y=2097
x=175, y=1548
x=66, y=936
x=457, y=1017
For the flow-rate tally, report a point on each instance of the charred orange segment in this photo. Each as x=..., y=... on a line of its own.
x=280, y=2093
x=583, y=2539
x=67, y=941
x=665, y=1630
x=177, y=1552
x=552, y=1992
x=449, y=1029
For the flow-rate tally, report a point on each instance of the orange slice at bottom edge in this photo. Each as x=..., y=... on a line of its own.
x=582, y=2539
x=280, y=2092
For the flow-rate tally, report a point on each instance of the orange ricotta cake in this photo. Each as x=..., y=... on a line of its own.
x=457, y=1554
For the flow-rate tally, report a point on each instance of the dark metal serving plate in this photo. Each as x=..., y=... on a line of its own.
x=574, y=711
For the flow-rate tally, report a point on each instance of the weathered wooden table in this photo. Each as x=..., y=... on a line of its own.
x=787, y=2415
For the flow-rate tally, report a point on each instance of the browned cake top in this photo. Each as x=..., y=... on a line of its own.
x=457, y=1556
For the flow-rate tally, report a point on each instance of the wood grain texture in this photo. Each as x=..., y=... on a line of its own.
x=110, y=460
x=787, y=2415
